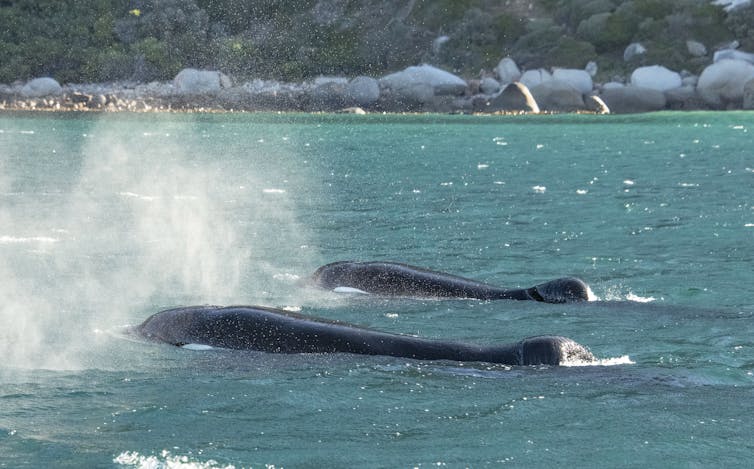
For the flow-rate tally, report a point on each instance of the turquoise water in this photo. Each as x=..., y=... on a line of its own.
x=106, y=219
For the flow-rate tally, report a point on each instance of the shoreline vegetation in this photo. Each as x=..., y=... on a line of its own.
x=475, y=56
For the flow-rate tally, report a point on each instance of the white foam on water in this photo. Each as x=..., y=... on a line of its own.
x=614, y=361
x=166, y=460
x=273, y=191
x=286, y=276
x=6, y=239
x=539, y=189
x=640, y=299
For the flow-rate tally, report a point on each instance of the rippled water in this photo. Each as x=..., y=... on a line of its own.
x=106, y=219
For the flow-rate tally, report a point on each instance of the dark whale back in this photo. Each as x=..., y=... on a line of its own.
x=278, y=331
x=396, y=279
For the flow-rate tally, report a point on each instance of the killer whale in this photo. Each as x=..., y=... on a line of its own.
x=278, y=331
x=397, y=279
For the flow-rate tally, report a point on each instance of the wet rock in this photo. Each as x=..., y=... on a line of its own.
x=40, y=87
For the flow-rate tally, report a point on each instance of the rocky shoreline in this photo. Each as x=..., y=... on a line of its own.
x=727, y=83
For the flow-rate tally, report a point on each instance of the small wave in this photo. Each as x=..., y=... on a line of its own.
x=5, y=239
x=539, y=189
x=273, y=191
x=640, y=299
x=167, y=460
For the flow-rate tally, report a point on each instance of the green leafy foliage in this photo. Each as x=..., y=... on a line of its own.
x=107, y=40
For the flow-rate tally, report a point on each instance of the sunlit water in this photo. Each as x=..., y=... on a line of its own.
x=105, y=220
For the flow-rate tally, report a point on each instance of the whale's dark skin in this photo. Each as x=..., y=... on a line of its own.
x=395, y=279
x=277, y=331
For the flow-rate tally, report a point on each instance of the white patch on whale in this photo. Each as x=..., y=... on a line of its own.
x=349, y=290
x=197, y=347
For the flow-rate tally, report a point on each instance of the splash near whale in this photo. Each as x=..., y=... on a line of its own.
x=396, y=279
x=278, y=331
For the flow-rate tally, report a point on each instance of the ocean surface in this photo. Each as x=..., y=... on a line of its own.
x=107, y=219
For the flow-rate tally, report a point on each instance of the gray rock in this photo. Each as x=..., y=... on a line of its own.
x=363, y=91
x=193, y=81
x=579, y=79
x=696, y=48
x=532, y=78
x=733, y=55
x=632, y=99
x=514, y=97
x=40, y=87
x=748, y=99
x=633, y=50
x=328, y=96
x=507, y=71
x=558, y=95
x=591, y=68
x=655, y=77
x=415, y=81
x=684, y=98
x=489, y=85
x=721, y=84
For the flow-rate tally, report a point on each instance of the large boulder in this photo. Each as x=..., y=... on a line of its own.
x=632, y=99
x=40, y=87
x=507, y=71
x=656, y=77
x=326, y=96
x=558, y=95
x=579, y=79
x=722, y=83
x=419, y=79
x=193, y=81
x=684, y=98
x=532, y=78
x=733, y=54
